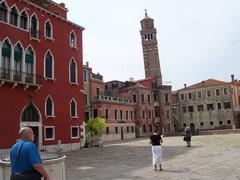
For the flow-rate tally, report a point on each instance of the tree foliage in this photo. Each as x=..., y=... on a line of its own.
x=94, y=125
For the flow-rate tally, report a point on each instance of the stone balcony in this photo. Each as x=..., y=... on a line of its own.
x=19, y=78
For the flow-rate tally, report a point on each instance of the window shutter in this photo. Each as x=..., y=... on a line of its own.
x=29, y=58
x=17, y=56
x=6, y=51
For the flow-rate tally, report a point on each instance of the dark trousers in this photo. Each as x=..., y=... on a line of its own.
x=34, y=175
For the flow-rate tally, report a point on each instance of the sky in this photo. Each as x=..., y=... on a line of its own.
x=197, y=39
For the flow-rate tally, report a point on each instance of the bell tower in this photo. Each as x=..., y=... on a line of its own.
x=150, y=48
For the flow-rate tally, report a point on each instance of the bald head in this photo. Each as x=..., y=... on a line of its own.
x=26, y=133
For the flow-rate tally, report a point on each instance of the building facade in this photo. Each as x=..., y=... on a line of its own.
x=99, y=102
x=206, y=105
x=40, y=74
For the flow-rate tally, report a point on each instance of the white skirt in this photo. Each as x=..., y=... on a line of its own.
x=157, y=155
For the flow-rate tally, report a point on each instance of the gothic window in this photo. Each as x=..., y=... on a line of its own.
x=73, y=40
x=5, y=63
x=14, y=16
x=23, y=20
x=34, y=27
x=29, y=58
x=48, y=29
x=3, y=12
x=49, y=107
x=73, y=108
x=17, y=62
x=30, y=113
x=73, y=72
x=48, y=66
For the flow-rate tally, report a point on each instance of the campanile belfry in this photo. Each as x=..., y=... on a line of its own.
x=150, y=48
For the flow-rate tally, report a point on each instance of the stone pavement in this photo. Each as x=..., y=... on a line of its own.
x=215, y=157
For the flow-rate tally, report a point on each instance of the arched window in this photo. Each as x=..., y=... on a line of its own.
x=14, y=16
x=23, y=20
x=6, y=56
x=17, y=62
x=29, y=58
x=73, y=108
x=49, y=109
x=34, y=26
x=49, y=66
x=48, y=29
x=30, y=113
x=73, y=40
x=3, y=12
x=73, y=72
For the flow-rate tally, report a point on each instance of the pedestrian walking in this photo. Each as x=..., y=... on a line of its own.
x=187, y=136
x=25, y=158
x=156, y=140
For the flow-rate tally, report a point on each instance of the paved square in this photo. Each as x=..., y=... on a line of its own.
x=215, y=157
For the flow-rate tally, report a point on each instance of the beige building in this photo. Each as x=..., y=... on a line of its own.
x=206, y=105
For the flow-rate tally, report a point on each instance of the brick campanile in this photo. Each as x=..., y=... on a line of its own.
x=150, y=48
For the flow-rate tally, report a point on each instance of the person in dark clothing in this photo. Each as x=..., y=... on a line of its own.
x=187, y=136
x=156, y=140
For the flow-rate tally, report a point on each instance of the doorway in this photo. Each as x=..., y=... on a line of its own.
x=36, y=135
x=122, y=135
x=31, y=117
x=192, y=127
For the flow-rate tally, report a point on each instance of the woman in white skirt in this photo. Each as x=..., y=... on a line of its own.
x=156, y=140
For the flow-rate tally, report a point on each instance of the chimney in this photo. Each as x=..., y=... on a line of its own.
x=131, y=79
x=185, y=86
x=232, y=77
x=62, y=4
x=87, y=63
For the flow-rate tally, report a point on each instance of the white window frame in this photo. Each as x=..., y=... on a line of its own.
x=70, y=42
x=76, y=72
x=28, y=18
x=72, y=132
x=9, y=14
x=45, y=133
x=30, y=23
x=34, y=61
x=76, y=111
x=11, y=59
x=53, y=109
x=45, y=33
x=22, y=62
x=44, y=66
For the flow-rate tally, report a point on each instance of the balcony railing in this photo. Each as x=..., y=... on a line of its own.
x=19, y=77
x=112, y=99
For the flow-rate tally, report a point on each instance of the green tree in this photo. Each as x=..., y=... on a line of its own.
x=93, y=128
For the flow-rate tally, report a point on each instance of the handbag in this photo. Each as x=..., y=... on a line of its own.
x=185, y=138
x=29, y=175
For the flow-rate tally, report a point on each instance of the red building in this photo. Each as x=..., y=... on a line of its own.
x=40, y=74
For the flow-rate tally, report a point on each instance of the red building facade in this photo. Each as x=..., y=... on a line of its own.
x=40, y=74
